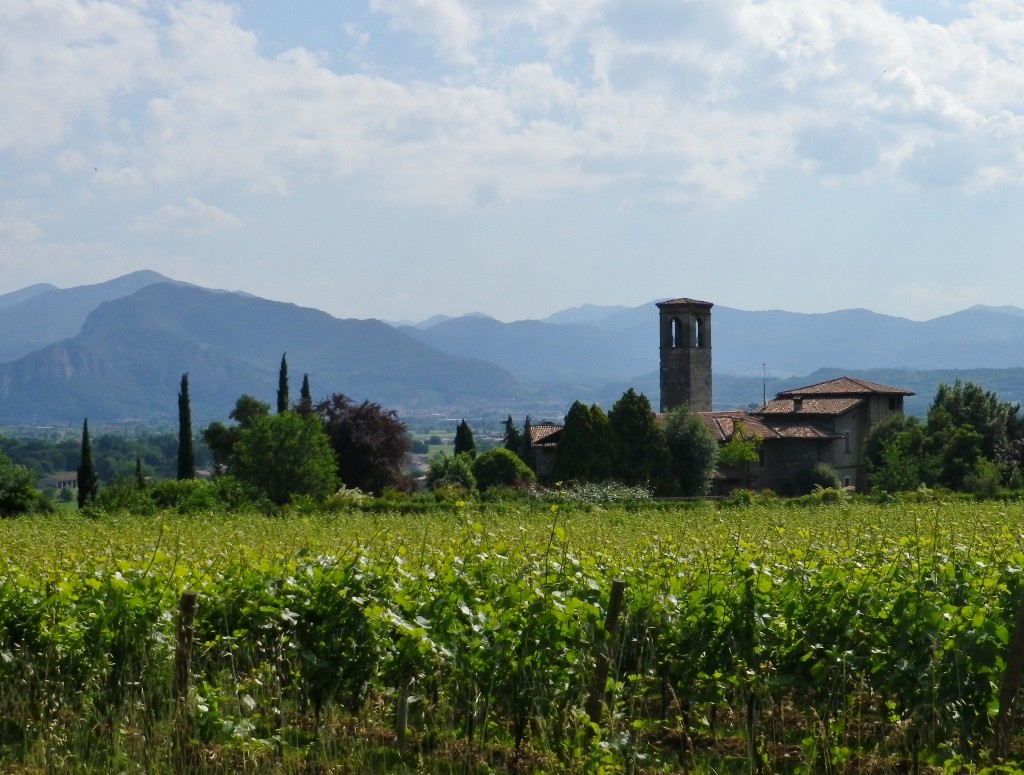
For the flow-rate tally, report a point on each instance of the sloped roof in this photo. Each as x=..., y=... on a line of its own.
x=831, y=407
x=544, y=435
x=723, y=425
x=670, y=302
x=845, y=386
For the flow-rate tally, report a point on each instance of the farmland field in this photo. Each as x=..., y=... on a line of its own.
x=834, y=638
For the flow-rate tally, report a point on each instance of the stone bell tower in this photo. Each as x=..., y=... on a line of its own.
x=685, y=326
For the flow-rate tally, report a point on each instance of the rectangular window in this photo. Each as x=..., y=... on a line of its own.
x=846, y=442
x=846, y=481
x=893, y=403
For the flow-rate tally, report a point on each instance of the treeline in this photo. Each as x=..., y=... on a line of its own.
x=628, y=446
x=971, y=441
x=305, y=451
x=114, y=454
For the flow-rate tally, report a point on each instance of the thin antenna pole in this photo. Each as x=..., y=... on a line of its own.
x=764, y=383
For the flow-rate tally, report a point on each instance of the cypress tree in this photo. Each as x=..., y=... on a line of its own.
x=305, y=405
x=186, y=452
x=282, y=386
x=526, y=450
x=513, y=439
x=140, y=478
x=88, y=482
x=464, y=439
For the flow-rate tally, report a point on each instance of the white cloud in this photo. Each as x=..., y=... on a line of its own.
x=17, y=229
x=692, y=102
x=193, y=219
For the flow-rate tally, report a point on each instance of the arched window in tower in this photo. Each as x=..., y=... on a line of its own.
x=698, y=332
x=677, y=332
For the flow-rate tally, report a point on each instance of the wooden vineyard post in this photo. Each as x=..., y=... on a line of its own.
x=182, y=674
x=611, y=626
x=1010, y=687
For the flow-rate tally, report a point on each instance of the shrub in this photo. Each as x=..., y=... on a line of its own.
x=986, y=480
x=187, y=496
x=124, y=494
x=818, y=475
x=18, y=493
x=501, y=468
x=448, y=472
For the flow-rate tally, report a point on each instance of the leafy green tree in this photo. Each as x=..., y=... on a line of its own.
x=222, y=439
x=456, y=471
x=896, y=456
x=88, y=482
x=186, y=450
x=501, y=468
x=958, y=458
x=464, y=440
x=18, y=493
x=969, y=405
x=284, y=456
x=370, y=443
x=282, y=385
x=641, y=453
x=585, y=446
x=693, y=451
x=741, y=451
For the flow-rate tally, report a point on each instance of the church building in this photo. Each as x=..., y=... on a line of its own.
x=828, y=422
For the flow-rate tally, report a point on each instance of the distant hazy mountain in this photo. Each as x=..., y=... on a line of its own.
x=43, y=314
x=586, y=313
x=15, y=297
x=745, y=343
x=117, y=350
x=540, y=353
x=130, y=355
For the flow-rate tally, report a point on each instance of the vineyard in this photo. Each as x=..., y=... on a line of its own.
x=839, y=638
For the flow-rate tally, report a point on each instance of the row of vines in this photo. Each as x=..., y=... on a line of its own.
x=851, y=638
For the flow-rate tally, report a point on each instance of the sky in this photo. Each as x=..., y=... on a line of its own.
x=398, y=159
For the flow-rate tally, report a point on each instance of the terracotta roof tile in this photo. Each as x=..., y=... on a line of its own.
x=819, y=406
x=723, y=424
x=670, y=302
x=541, y=435
x=845, y=386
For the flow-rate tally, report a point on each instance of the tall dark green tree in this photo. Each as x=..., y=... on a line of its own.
x=641, y=454
x=513, y=439
x=88, y=482
x=282, y=386
x=692, y=449
x=305, y=405
x=464, y=442
x=585, y=445
x=186, y=449
x=526, y=450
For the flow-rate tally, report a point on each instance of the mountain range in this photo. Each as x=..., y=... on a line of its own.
x=115, y=351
